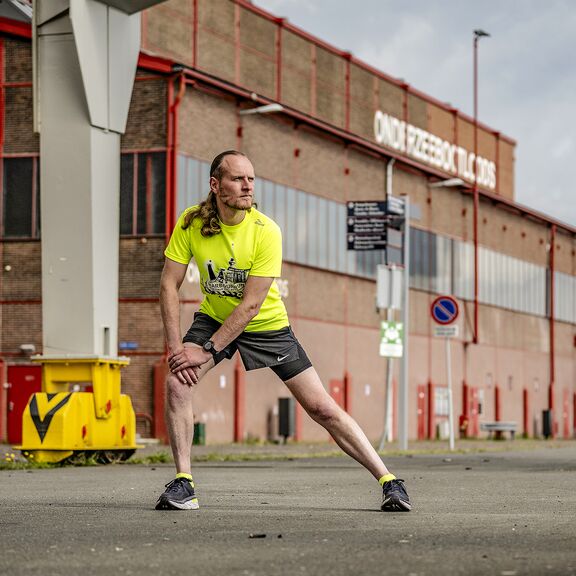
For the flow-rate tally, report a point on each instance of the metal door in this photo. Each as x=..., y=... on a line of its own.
x=473, y=426
x=336, y=389
x=566, y=414
x=422, y=403
x=23, y=380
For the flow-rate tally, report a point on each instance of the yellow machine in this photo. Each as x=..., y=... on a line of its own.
x=64, y=423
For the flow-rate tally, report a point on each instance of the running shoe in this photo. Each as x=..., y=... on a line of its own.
x=179, y=495
x=394, y=497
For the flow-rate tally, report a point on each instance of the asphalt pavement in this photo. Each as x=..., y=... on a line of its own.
x=507, y=513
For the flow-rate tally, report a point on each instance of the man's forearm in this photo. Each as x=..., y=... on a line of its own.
x=233, y=326
x=170, y=311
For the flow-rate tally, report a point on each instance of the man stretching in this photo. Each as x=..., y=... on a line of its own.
x=238, y=251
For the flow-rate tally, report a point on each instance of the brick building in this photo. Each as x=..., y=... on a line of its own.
x=346, y=132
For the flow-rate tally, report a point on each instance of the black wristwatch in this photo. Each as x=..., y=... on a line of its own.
x=209, y=347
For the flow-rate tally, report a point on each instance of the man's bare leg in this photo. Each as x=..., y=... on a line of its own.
x=307, y=388
x=179, y=414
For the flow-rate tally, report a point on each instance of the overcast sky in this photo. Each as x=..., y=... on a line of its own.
x=527, y=71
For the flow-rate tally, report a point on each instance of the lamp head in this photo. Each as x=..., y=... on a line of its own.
x=266, y=109
x=479, y=33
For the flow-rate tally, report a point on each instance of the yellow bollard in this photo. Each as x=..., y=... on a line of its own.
x=60, y=423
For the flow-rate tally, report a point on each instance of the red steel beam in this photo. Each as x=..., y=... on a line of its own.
x=16, y=28
x=169, y=148
x=195, y=28
x=552, y=323
x=347, y=383
x=431, y=408
x=3, y=402
x=155, y=63
x=347, y=103
x=237, y=43
x=2, y=112
x=280, y=22
x=525, y=413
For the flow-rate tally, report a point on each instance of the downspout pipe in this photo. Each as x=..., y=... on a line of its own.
x=172, y=159
x=552, y=320
x=169, y=144
x=173, y=151
x=389, y=173
x=477, y=35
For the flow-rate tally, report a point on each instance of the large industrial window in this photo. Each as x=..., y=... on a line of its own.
x=441, y=402
x=143, y=193
x=20, y=198
x=565, y=297
x=423, y=259
x=508, y=282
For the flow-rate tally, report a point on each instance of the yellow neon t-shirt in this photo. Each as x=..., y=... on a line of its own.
x=225, y=260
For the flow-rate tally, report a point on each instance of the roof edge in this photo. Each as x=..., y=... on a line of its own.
x=15, y=27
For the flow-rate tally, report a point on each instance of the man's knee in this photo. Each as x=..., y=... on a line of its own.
x=325, y=411
x=175, y=389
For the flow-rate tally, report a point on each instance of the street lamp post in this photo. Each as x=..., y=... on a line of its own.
x=477, y=35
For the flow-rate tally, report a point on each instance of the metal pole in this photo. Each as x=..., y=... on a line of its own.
x=476, y=198
x=475, y=190
x=403, y=388
x=450, y=398
x=387, y=434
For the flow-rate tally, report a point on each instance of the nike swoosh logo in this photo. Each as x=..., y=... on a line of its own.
x=280, y=358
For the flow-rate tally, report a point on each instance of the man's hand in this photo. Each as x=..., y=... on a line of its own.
x=188, y=376
x=184, y=363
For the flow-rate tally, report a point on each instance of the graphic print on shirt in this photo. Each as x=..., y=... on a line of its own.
x=228, y=282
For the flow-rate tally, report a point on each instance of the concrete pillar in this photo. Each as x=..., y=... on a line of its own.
x=85, y=56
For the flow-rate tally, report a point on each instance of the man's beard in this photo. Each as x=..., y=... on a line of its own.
x=239, y=204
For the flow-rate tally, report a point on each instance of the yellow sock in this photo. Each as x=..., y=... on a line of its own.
x=386, y=478
x=187, y=476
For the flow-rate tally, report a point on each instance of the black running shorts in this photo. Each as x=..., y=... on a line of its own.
x=275, y=349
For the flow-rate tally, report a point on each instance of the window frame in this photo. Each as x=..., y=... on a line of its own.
x=35, y=232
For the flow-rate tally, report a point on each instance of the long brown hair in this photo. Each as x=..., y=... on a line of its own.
x=207, y=210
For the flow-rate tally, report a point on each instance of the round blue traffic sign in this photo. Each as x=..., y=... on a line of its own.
x=444, y=310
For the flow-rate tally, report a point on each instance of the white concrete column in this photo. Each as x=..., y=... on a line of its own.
x=85, y=55
x=85, y=58
x=79, y=183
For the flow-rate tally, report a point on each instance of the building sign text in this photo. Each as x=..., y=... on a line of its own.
x=432, y=150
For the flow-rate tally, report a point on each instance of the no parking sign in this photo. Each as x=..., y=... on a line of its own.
x=444, y=311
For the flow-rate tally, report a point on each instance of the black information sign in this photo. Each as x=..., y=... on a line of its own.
x=367, y=209
x=366, y=226
x=366, y=242
x=395, y=205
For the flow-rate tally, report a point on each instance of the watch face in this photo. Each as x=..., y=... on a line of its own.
x=208, y=346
